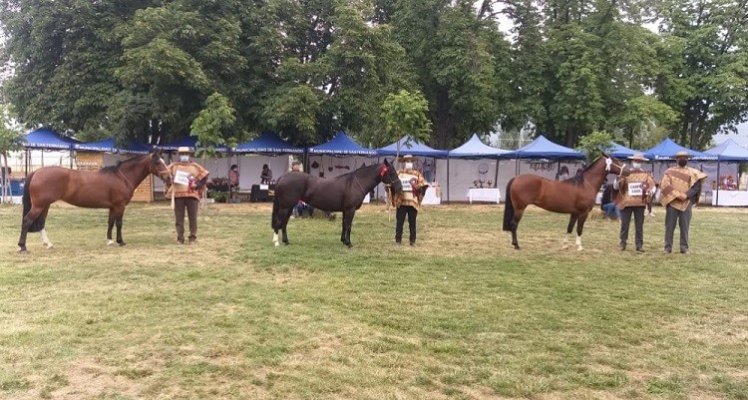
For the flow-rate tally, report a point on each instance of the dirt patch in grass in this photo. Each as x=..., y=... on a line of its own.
x=89, y=379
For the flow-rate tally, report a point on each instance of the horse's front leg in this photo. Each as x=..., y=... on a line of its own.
x=569, y=229
x=110, y=226
x=580, y=228
x=347, y=223
x=118, y=221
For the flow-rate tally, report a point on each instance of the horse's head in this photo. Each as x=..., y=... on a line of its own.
x=615, y=166
x=158, y=168
x=388, y=175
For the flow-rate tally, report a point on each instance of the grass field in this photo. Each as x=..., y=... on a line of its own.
x=461, y=315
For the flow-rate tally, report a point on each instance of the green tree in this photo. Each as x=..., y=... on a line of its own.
x=405, y=113
x=214, y=124
x=596, y=143
x=11, y=139
x=705, y=73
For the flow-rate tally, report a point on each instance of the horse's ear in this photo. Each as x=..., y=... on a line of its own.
x=386, y=162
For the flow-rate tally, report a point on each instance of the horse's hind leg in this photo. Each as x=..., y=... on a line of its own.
x=514, y=224
x=26, y=223
x=286, y=215
x=569, y=229
x=43, y=232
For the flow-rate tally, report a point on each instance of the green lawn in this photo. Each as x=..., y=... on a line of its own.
x=461, y=315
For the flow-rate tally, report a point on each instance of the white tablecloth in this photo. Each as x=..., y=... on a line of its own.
x=491, y=195
x=430, y=197
x=730, y=198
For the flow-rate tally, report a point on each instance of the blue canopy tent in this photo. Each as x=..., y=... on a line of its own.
x=544, y=148
x=268, y=143
x=342, y=144
x=666, y=150
x=474, y=148
x=620, y=151
x=416, y=148
x=727, y=151
x=47, y=139
x=411, y=146
x=187, y=141
x=109, y=146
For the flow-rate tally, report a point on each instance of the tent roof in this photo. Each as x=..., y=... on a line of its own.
x=413, y=147
x=666, y=150
x=109, y=146
x=47, y=139
x=544, y=148
x=474, y=148
x=268, y=142
x=620, y=151
x=342, y=144
x=187, y=141
x=729, y=150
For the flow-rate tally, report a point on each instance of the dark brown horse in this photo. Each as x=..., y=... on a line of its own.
x=110, y=187
x=575, y=196
x=343, y=193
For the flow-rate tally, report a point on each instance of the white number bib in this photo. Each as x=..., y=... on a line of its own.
x=635, y=189
x=182, y=178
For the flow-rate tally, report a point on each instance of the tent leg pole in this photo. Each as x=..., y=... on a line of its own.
x=448, y=198
x=716, y=200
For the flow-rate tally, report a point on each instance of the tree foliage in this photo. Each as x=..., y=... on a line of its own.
x=148, y=68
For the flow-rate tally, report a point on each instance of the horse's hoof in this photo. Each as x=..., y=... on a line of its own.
x=23, y=250
x=49, y=246
x=121, y=243
x=276, y=244
x=109, y=242
x=580, y=248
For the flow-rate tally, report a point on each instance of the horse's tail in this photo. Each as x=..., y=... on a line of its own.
x=274, y=218
x=508, y=207
x=38, y=224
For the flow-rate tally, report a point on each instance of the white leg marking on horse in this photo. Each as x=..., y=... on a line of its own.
x=579, y=243
x=109, y=242
x=45, y=239
x=566, y=241
x=275, y=239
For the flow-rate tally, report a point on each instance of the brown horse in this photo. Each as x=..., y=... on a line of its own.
x=110, y=187
x=343, y=193
x=575, y=196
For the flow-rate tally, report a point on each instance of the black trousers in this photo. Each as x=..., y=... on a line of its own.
x=638, y=225
x=412, y=213
x=180, y=205
x=683, y=219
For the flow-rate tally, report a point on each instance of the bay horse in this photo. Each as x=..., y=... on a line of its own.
x=575, y=196
x=110, y=187
x=343, y=193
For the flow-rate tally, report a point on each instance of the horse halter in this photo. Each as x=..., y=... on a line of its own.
x=609, y=163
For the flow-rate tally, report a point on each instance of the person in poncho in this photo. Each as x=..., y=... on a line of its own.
x=636, y=192
x=189, y=179
x=680, y=189
x=408, y=202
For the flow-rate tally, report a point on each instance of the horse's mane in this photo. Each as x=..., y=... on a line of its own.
x=114, y=168
x=578, y=178
x=349, y=176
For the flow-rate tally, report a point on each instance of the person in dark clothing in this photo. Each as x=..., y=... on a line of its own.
x=681, y=188
x=607, y=204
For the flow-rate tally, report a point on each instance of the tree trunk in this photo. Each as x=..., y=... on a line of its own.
x=5, y=179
